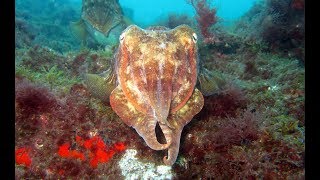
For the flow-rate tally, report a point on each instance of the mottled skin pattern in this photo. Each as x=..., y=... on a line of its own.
x=157, y=74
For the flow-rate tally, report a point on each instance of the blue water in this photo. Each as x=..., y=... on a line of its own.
x=148, y=12
x=50, y=19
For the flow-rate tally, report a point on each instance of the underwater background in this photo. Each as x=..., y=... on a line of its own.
x=251, y=72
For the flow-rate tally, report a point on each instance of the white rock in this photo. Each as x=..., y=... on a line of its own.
x=132, y=168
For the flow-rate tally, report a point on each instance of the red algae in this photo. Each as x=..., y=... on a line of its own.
x=66, y=153
x=64, y=150
x=71, y=132
x=22, y=156
x=119, y=146
x=206, y=17
x=227, y=103
x=98, y=150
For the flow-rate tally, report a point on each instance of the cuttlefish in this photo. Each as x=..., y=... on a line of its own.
x=98, y=19
x=156, y=71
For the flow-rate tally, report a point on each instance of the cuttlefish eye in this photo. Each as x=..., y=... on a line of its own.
x=194, y=37
x=121, y=38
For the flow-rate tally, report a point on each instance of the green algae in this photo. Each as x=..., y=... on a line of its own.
x=50, y=77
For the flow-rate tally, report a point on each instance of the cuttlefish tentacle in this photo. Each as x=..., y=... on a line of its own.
x=173, y=149
x=146, y=129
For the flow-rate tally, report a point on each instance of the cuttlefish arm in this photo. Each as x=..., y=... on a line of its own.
x=179, y=119
x=144, y=124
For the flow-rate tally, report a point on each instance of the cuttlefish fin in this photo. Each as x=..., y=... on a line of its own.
x=101, y=85
x=210, y=82
x=127, y=21
x=78, y=29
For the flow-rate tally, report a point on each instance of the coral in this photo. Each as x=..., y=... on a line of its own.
x=206, y=17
